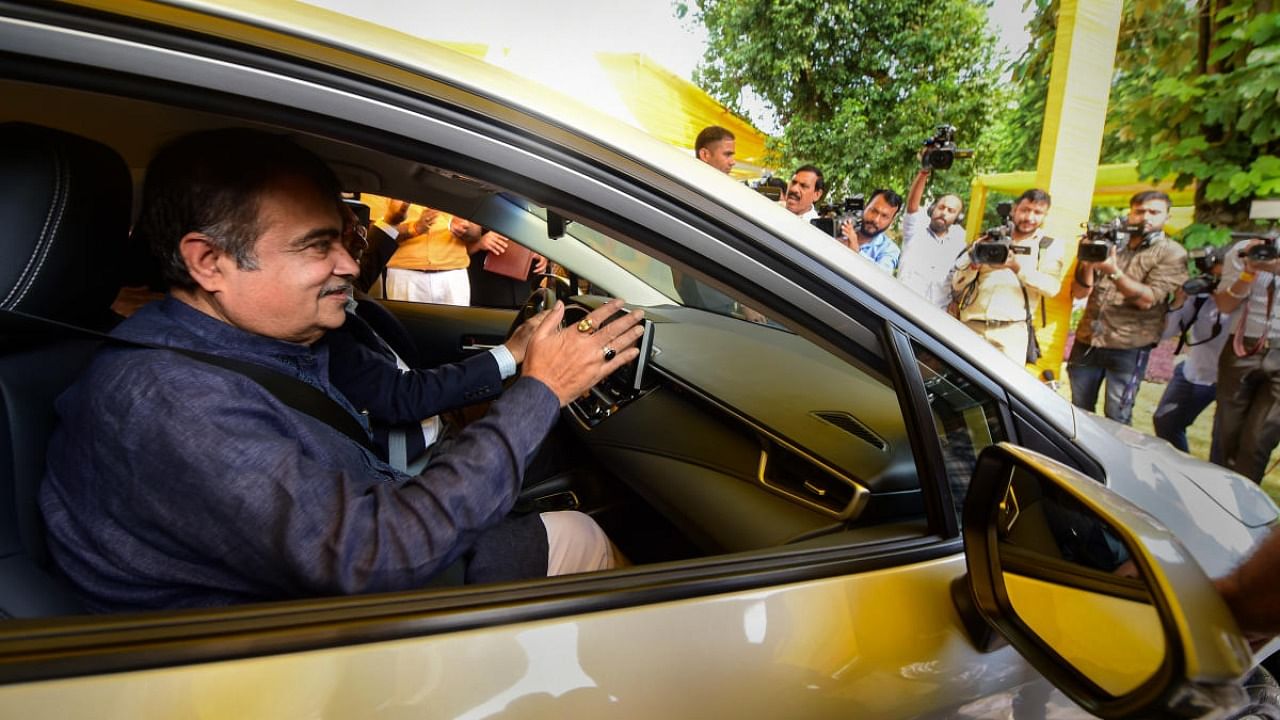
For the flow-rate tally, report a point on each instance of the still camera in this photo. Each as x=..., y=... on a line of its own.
x=1204, y=282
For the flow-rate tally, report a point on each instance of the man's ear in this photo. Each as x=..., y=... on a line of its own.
x=818, y=197
x=704, y=154
x=201, y=257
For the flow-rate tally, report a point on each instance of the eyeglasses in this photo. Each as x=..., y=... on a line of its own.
x=355, y=239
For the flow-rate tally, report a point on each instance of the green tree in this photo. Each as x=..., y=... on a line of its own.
x=1195, y=94
x=856, y=85
x=1148, y=28
x=1212, y=112
x=1013, y=136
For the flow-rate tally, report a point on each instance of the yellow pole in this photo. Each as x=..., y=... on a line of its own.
x=1084, y=56
x=977, y=207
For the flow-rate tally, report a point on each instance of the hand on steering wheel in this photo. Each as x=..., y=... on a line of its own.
x=571, y=360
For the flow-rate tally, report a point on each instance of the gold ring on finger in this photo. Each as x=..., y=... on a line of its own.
x=585, y=325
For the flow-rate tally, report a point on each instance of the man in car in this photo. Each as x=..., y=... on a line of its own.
x=1128, y=294
x=998, y=301
x=206, y=460
x=715, y=146
x=806, y=188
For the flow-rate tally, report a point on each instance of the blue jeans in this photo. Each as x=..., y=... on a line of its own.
x=1123, y=370
x=1181, y=404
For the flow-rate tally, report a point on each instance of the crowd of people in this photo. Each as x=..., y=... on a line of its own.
x=1134, y=295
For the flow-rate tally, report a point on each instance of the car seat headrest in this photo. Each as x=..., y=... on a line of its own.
x=65, y=219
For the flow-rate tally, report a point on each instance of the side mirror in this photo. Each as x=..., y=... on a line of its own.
x=1095, y=593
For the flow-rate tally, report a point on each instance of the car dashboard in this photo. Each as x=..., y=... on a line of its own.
x=709, y=441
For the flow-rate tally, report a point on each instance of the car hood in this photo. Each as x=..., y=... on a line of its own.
x=1218, y=514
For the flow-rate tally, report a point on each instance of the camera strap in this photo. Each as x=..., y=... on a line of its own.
x=1033, y=343
x=1237, y=343
x=1045, y=242
x=1184, y=336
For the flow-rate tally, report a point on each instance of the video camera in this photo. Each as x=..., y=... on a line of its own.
x=771, y=187
x=835, y=217
x=1203, y=259
x=995, y=244
x=941, y=149
x=1265, y=251
x=1098, y=240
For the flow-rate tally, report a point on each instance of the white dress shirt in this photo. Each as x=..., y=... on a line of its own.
x=926, y=262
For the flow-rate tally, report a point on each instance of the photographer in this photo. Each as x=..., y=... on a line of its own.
x=996, y=299
x=1128, y=293
x=867, y=237
x=930, y=240
x=1194, y=319
x=1249, y=367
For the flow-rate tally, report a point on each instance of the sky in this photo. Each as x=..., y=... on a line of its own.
x=567, y=29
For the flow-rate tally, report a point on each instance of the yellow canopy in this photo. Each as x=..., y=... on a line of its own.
x=636, y=90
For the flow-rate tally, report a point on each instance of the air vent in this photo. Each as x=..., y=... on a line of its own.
x=851, y=425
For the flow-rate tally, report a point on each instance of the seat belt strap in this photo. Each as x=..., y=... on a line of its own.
x=398, y=449
x=303, y=397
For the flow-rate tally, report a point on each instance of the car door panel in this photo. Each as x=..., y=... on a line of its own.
x=883, y=643
x=449, y=333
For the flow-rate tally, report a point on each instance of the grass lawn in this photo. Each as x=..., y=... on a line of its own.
x=1197, y=435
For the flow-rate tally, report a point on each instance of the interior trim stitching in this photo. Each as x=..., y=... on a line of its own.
x=57, y=209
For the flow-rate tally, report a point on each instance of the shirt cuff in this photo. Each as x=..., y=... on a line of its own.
x=506, y=361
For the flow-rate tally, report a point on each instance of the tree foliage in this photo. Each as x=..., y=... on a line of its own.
x=1195, y=95
x=1211, y=111
x=856, y=85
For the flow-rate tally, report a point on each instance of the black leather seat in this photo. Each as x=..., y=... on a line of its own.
x=64, y=219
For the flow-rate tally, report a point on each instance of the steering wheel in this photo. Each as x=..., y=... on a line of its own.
x=541, y=299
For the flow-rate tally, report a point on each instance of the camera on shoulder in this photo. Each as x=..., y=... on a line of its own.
x=771, y=187
x=996, y=243
x=1098, y=240
x=1265, y=251
x=834, y=217
x=941, y=151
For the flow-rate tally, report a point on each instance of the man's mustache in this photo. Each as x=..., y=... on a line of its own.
x=344, y=288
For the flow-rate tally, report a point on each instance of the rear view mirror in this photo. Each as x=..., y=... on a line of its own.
x=1095, y=593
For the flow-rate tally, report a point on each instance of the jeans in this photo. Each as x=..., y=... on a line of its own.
x=1181, y=404
x=1123, y=370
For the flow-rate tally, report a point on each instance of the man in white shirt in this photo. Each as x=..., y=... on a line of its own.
x=805, y=190
x=931, y=242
